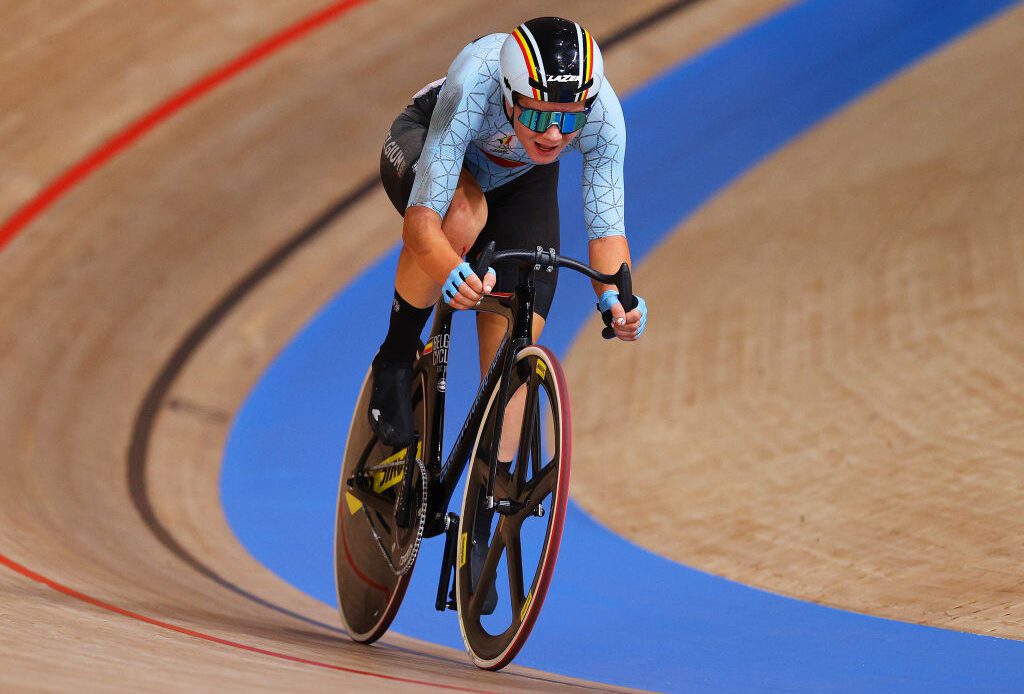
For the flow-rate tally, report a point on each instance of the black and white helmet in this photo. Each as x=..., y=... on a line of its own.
x=551, y=59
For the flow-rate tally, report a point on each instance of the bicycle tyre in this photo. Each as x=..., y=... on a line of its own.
x=538, y=370
x=368, y=589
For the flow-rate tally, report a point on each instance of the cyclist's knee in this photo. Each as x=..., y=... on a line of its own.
x=538, y=326
x=466, y=215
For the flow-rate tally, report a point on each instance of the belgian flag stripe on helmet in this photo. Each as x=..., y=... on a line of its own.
x=588, y=72
x=532, y=62
x=581, y=60
x=586, y=60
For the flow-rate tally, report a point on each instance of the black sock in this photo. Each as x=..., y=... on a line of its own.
x=407, y=323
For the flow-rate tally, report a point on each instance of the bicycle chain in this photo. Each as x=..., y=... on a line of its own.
x=415, y=549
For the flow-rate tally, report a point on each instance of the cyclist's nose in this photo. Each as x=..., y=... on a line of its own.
x=552, y=134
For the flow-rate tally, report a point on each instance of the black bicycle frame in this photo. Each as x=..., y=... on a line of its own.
x=432, y=367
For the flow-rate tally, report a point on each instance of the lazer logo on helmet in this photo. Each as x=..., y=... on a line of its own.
x=563, y=78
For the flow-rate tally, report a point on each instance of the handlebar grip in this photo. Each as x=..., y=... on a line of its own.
x=624, y=283
x=484, y=261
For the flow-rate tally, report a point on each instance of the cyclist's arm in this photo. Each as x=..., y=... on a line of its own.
x=603, y=145
x=422, y=234
x=607, y=254
x=453, y=125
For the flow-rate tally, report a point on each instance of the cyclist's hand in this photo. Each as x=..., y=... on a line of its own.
x=627, y=326
x=464, y=289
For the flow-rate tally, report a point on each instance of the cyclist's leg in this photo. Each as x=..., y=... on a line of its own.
x=415, y=292
x=491, y=329
x=521, y=214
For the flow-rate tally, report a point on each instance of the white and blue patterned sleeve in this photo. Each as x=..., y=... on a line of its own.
x=457, y=118
x=603, y=144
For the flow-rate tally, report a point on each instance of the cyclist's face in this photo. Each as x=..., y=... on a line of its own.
x=543, y=148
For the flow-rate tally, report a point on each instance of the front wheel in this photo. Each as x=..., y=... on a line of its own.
x=506, y=552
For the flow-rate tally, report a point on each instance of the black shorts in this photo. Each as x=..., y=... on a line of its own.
x=523, y=213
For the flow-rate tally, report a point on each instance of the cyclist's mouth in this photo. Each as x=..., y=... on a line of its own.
x=545, y=149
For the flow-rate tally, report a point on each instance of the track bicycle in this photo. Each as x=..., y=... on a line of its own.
x=500, y=551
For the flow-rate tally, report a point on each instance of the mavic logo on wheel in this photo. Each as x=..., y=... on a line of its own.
x=542, y=369
x=391, y=470
x=388, y=478
x=463, y=540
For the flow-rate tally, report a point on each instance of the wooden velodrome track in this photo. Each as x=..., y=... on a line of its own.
x=842, y=358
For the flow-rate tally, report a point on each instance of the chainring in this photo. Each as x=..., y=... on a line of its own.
x=402, y=555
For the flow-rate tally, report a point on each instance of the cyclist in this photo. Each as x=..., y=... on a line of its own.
x=473, y=159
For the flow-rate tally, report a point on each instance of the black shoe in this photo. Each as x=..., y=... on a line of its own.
x=478, y=555
x=391, y=403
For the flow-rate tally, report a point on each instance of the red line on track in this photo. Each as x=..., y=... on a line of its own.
x=119, y=142
x=71, y=592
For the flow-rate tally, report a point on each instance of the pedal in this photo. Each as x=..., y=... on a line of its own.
x=445, y=583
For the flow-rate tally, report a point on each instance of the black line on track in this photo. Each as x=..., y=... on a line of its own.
x=646, y=22
x=145, y=417
x=172, y=368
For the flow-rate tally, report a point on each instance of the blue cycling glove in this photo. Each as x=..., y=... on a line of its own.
x=456, y=278
x=611, y=297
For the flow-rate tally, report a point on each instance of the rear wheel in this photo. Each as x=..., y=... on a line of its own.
x=374, y=551
x=506, y=554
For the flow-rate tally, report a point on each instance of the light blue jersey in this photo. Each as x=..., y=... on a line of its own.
x=469, y=127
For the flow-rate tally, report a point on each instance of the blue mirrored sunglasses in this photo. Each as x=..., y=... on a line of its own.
x=540, y=121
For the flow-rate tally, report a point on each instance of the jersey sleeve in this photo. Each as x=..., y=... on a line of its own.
x=457, y=119
x=603, y=145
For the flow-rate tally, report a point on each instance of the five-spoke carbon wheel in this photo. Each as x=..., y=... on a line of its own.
x=506, y=553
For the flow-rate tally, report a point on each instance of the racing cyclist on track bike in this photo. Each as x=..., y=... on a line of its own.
x=474, y=159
